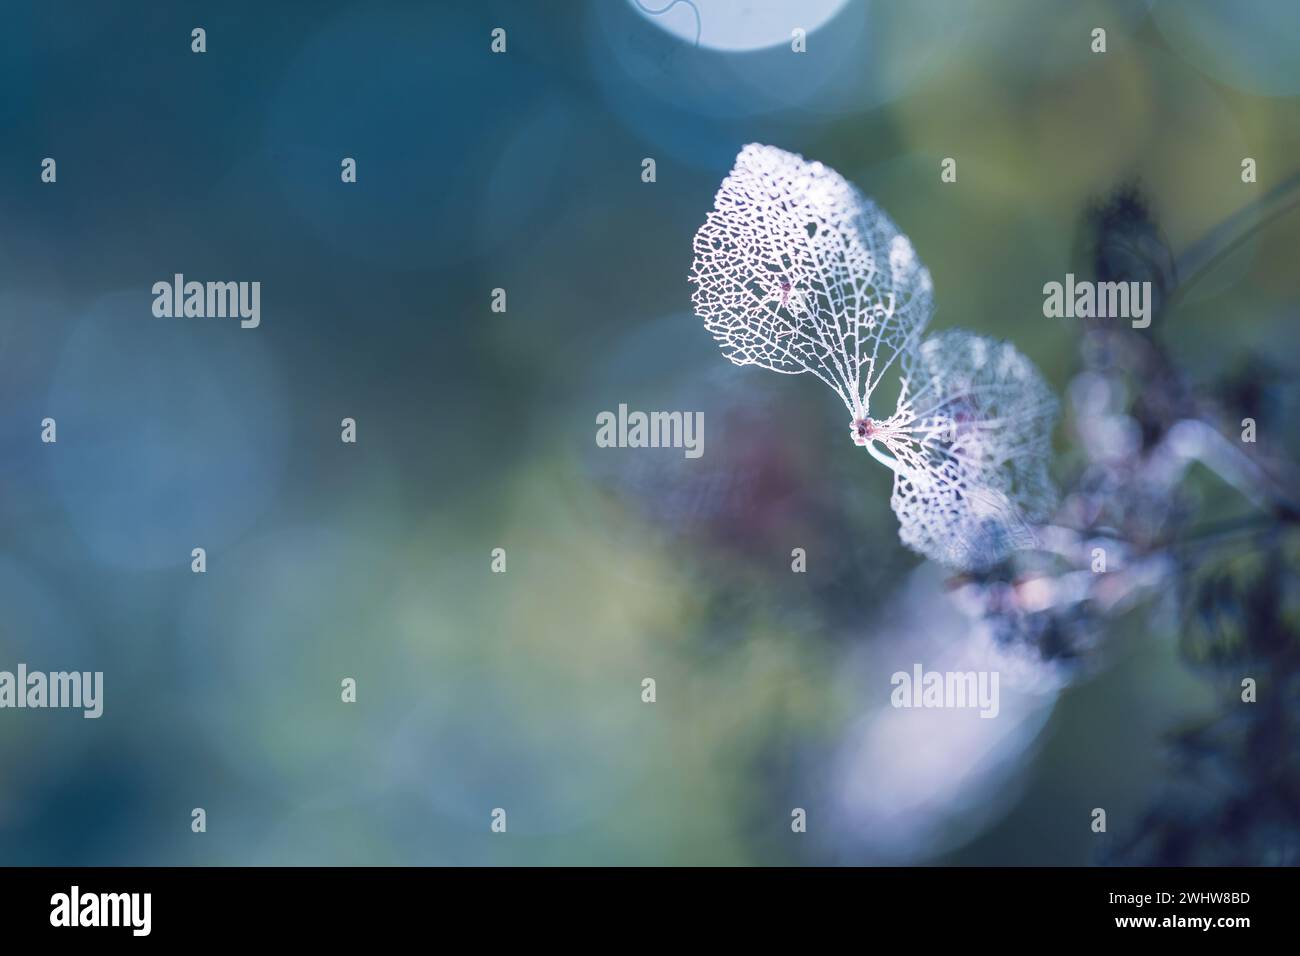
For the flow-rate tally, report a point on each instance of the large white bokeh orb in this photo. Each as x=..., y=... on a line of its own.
x=737, y=25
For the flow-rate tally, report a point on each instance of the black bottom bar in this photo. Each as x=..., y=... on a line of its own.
x=332, y=905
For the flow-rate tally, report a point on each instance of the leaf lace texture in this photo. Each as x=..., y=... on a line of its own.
x=973, y=433
x=796, y=271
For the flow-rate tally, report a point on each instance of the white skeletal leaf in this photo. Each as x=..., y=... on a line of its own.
x=972, y=441
x=796, y=271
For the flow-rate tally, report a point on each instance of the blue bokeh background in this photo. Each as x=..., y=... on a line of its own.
x=476, y=430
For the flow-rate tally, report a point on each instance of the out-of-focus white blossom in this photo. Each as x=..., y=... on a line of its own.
x=909, y=784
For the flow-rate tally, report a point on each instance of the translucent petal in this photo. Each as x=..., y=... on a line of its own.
x=972, y=437
x=796, y=271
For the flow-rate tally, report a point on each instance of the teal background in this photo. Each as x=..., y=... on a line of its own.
x=476, y=430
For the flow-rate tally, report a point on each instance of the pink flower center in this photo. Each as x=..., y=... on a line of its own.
x=864, y=429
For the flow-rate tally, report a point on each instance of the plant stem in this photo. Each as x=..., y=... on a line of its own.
x=1231, y=234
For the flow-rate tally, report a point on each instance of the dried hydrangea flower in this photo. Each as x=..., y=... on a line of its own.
x=796, y=271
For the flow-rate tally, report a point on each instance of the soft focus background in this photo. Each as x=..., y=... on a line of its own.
x=476, y=430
